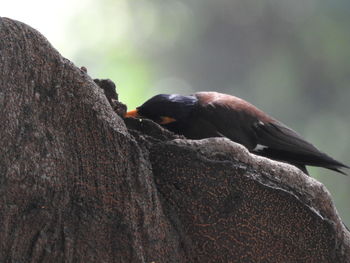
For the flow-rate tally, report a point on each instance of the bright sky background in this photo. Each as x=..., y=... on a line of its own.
x=48, y=17
x=76, y=28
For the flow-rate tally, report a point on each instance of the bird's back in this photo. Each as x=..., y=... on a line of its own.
x=244, y=123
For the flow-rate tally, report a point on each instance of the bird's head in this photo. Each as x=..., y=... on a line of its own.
x=165, y=108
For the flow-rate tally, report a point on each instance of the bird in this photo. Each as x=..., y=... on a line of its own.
x=212, y=114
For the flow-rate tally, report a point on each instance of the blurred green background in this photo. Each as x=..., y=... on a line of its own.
x=289, y=58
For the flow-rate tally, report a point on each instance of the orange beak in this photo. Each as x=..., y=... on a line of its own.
x=132, y=113
x=135, y=114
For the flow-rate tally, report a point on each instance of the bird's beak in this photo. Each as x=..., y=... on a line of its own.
x=135, y=114
x=132, y=113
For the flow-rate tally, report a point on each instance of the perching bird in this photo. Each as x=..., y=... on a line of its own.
x=212, y=114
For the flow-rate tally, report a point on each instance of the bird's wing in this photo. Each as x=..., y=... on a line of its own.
x=231, y=116
x=242, y=122
x=235, y=125
x=278, y=136
x=285, y=144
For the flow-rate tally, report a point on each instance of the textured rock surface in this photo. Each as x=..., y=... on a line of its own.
x=77, y=184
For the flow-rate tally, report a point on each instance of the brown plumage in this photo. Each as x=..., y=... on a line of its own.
x=212, y=114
